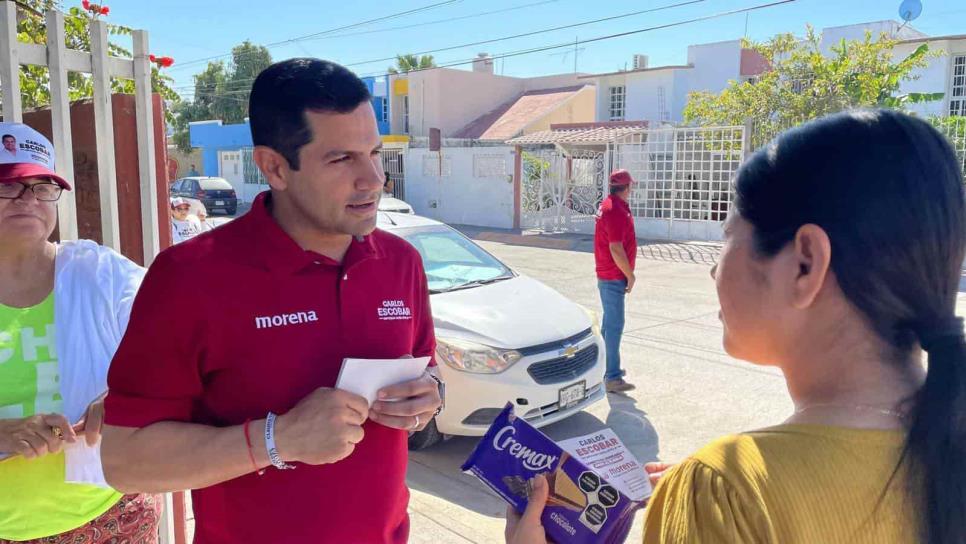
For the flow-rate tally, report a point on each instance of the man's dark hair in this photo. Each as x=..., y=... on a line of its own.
x=5, y=136
x=284, y=91
x=617, y=189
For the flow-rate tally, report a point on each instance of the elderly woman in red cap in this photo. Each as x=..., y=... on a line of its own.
x=63, y=311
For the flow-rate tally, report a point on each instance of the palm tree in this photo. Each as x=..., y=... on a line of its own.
x=409, y=63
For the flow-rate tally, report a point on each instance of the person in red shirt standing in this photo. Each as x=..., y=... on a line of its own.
x=234, y=397
x=615, y=251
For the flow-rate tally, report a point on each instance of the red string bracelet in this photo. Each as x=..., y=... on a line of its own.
x=251, y=456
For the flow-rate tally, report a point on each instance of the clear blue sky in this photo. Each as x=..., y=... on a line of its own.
x=193, y=29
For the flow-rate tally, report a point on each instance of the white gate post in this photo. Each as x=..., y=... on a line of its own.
x=146, y=159
x=104, y=133
x=674, y=179
x=60, y=123
x=10, y=65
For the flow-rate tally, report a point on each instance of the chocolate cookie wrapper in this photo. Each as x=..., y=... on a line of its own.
x=583, y=507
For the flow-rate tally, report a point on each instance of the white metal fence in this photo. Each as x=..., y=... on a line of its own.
x=59, y=60
x=683, y=179
x=953, y=127
x=394, y=166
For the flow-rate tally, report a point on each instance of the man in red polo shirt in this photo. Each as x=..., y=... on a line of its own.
x=277, y=299
x=615, y=251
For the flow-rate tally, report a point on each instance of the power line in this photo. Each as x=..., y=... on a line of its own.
x=535, y=32
x=404, y=27
x=599, y=38
x=531, y=33
x=331, y=30
x=436, y=22
x=586, y=41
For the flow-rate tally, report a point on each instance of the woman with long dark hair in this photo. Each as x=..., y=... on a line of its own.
x=841, y=266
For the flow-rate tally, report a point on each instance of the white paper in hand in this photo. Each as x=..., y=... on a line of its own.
x=365, y=377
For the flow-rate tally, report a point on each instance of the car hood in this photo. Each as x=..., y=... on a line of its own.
x=388, y=203
x=512, y=314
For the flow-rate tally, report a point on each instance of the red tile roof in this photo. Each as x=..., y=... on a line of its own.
x=510, y=119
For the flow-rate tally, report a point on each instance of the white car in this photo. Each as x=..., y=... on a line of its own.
x=390, y=203
x=501, y=337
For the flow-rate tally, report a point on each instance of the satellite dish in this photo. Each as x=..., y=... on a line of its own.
x=910, y=9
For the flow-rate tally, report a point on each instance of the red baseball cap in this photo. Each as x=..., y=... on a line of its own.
x=26, y=153
x=621, y=178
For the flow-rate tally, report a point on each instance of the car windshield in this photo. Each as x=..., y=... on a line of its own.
x=214, y=184
x=453, y=262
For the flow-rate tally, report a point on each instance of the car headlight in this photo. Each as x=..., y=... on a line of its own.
x=594, y=320
x=469, y=356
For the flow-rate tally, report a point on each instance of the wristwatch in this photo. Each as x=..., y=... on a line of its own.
x=442, y=392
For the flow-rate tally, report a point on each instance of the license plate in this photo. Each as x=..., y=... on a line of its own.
x=219, y=203
x=572, y=394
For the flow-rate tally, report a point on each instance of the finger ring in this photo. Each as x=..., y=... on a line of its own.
x=57, y=432
x=415, y=425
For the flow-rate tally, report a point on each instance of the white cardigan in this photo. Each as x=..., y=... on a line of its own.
x=94, y=289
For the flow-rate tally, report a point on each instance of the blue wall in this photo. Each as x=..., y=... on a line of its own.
x=213, y=136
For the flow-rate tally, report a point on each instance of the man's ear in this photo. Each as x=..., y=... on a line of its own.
x=273, y=165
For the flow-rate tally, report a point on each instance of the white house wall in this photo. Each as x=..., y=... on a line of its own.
x=834, y=35
x=935, y=78
x=715, y=64
x=451, y=99
x=552, y=82
x=471, y=191
x=643, y=93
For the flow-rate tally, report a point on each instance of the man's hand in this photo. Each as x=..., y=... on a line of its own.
x=35, y=436
x=414, y=401
x=630, y=283
x=324, y=427
x=90, y=425
x=527, y=529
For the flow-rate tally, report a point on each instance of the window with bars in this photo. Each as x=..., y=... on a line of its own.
x=385, y=110
x=957, y=90
x=436, y=167
x=489, y=166
x=617, y=103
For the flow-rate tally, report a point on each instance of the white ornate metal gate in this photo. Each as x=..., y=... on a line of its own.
x=561, y=190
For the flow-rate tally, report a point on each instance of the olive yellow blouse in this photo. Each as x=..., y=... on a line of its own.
x=789, y=484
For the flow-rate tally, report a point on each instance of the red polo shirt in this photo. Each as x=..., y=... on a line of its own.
x=615, y=223
x=241, y=321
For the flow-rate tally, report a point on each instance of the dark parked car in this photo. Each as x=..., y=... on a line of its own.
x=214, y=193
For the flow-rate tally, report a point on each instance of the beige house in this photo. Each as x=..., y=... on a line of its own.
x=478, y=103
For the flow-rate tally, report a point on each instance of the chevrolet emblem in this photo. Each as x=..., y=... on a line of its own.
x=569, y=351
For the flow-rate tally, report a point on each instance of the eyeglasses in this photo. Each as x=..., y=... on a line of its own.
x=45, y=192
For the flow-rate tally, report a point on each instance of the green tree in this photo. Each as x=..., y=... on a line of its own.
x=221, y=91
x=409, y=63
x=804, y=84
x=35, y=80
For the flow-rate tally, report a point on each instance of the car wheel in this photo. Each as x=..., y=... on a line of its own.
x=231, y=211
x=425, y=438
